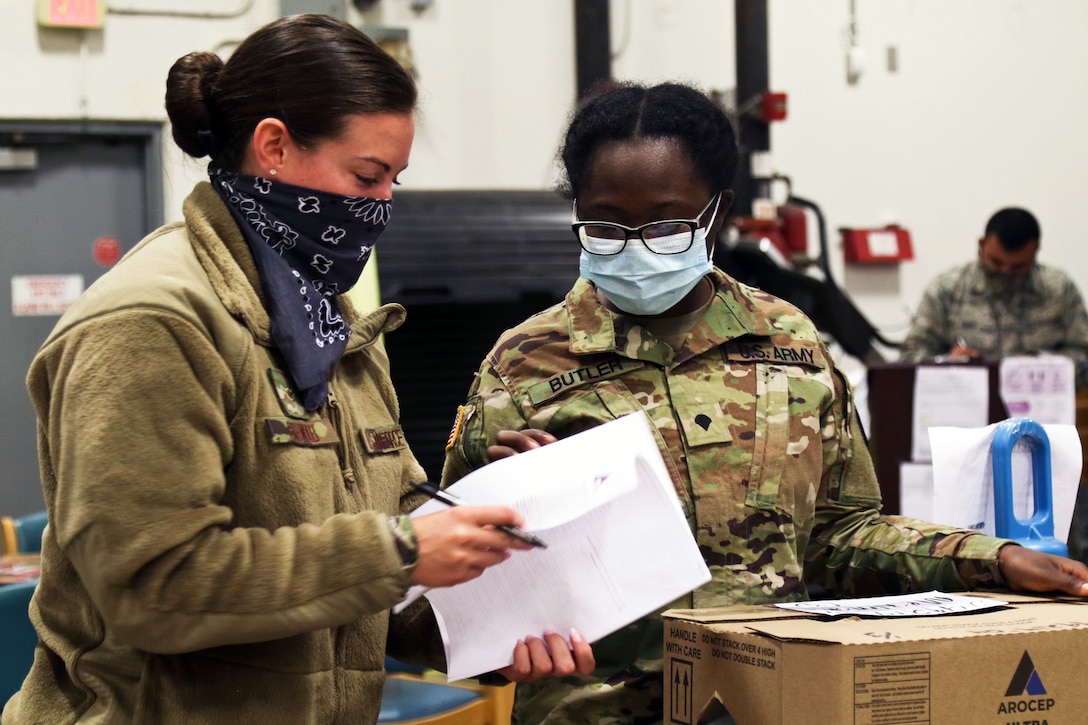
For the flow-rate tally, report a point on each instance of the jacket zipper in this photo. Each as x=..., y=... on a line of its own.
x=336, y=417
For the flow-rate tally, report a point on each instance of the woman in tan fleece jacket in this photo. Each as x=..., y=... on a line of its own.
x=222, y=463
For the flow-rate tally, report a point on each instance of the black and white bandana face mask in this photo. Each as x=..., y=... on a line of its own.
x=309, y=246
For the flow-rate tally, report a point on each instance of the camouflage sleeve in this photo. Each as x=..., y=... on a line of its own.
x=928, y=335
x=854, y=551
x=489, y=408
x=404, y=537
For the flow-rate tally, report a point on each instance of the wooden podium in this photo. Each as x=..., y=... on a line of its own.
x=891, y=414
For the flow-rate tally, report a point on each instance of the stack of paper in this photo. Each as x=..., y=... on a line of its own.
x=619, y=546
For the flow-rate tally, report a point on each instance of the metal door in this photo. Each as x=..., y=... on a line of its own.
x=73, y=196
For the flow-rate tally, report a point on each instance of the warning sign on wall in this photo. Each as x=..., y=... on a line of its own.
x=44, y=294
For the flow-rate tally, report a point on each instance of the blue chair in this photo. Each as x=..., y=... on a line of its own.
x=29, y=529
x=411, y=698
x=23, y=534
x=18, y=636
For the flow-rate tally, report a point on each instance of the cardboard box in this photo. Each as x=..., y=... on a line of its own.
x=1020, y=664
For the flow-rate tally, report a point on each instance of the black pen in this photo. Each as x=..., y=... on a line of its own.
x=450, y=500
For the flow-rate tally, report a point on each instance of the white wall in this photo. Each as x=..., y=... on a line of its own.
x=984, y=111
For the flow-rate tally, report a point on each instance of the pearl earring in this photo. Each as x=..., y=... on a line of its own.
x=271, y=172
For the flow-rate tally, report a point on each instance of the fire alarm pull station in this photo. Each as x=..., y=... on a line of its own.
x=876, y=246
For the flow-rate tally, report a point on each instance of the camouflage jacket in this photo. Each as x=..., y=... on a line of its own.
x=758, y=431
x=1045, y=313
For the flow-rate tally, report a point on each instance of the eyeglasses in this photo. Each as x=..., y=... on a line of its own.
x=669, y=236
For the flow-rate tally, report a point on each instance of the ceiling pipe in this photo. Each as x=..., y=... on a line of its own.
x=593, y=44
x=753, y=79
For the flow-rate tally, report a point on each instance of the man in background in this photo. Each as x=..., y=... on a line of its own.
x=1003, y=304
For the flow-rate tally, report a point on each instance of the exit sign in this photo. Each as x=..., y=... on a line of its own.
x=71, y=13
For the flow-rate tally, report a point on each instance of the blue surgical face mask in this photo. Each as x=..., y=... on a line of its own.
x=643, y=283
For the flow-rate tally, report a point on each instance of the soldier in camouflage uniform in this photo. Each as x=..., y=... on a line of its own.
x=754, y=422
x=1002, y=304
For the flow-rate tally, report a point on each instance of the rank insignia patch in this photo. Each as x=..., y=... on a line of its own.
x=289, y=401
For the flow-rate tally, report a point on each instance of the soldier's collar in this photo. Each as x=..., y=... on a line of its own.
x=731, y=314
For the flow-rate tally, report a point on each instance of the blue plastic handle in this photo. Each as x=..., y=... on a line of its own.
x=1038, y=531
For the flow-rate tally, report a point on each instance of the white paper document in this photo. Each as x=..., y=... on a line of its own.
x=619, y=546
x=920, y=604
x=963, y=481
x=947, y=395
x=1039, y=387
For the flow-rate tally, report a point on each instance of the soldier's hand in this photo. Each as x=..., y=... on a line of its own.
x=537, y=658
x=511, y=442
x=1027, y=570
x=457, y=545
x=962, y=350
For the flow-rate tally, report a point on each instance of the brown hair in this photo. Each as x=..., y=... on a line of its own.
x=309, y=71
